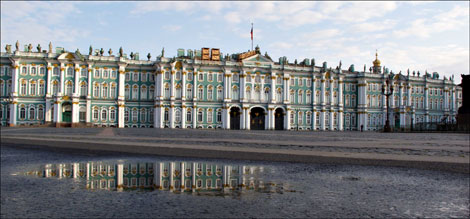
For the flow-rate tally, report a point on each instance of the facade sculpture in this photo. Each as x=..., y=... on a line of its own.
x=244, y=91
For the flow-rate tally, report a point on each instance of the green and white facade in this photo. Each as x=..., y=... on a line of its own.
x=70, y=89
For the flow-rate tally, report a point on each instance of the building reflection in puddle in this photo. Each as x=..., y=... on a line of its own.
x=178, y=177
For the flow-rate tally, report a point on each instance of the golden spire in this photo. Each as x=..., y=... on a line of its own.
x=376, y=62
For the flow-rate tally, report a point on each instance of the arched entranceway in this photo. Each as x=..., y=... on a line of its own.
x=257, y=118
x=279, y=119
x=235, y=118
x=66, y=113
x=397, y=120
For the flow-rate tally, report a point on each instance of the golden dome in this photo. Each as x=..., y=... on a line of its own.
x=376, y=62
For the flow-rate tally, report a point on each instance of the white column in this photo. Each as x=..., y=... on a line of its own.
x=183, y=116
x=400, y=101
x=287, y=119
x=243, y=76
x=322, y=120
x=287, y=89
x=195, y=79
x=408, y=95
x=120, y=175
x=48, y=82
x=340, y=93
x=171, y=170
x=332, y=118
x=121, y=96
x=246, y=113
x=183, y=86
x=271, y=118
x=272, y=93
x=182, y=173
x=62, y=79
x=172, y=116
x=172, y=84
x=322, y=92
x=194, y=117
x=314, y=119
x=340, y=120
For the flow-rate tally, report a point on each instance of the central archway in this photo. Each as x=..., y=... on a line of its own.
x=279, y=119
x=257, y=118
x=235, y=118
x=66, y=112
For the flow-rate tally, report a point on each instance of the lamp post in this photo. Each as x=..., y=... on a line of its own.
x=388, y=91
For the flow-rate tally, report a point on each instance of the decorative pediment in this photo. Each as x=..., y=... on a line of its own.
x=257, y=60
x=68, y=56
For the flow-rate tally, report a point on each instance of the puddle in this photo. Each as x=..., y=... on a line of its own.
x=178, y=177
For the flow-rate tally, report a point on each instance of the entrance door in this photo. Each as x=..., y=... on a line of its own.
x=278, y=119
x=67, y=113
x=257, y=118
x=397, y=120
x=235, y=118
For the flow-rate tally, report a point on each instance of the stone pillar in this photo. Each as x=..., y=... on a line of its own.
x=272, y=93
x=400, y=98
x=62, y=79
x=340, y=93
x=195, y=79
x=171, y=170
x=183, y=87
x=287, y=118
x=159, y=84
x=225, y=117
x=121, y=96
x=271, y=118
x=242, y=94
x=48, y=110
x=426, y=103
x=194, y=117
x=246, y=113
x=340, y=120
x=193, y=176
x=172, y=85
x=172, y=116
x=286, y=89
x=314, y=119
x=14, y=93
x=322, y=92
x=120, y=176
x=322, y=120
x=408, y=95
x=332, y=118
x=183, y=117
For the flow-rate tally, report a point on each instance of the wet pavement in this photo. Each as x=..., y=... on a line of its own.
x=306, y=190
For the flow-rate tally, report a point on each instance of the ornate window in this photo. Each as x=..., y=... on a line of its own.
x=167, y=91
x=33, y=70
x=248, y=93
x=112, y=114
x=190, y=76
x=188, y=115
x=24, y=70
x=143, y=76
x=135, y=76
x=32, y=88
x=55, y=71
x=95, y=114
x=309, y=118
x=96, y=90
x=220, y=92
x=200, y=94
x=219, y=77
x=104, y=115
x=126, y=115
x=22, y=112
x=189, y=92
x=309, y=97
x=32, y=112
x=177, y=115
x=143, y=92
x=69, y=88
x=210, y=92
x=210, y=115
x=279, y=95
x=114, y=74
x=135, y=92
x=151, y=92
x=166, y=115
x=266, y=94
x=199, y=115
x=236, y=78
x=105, y=73
x=97, y=73
x=42, y=71
x=83, y=72
x=42, y=89
x=292, y=96
x=23, y=87
x=113, y=90
x=55, y=87
x=292, y=117
x=301, y=97
x=300, y=118
x=40, y=112
x=178, y=91
x=143, y=115
x=135, y=115
x=210, y=77
x=69, y=72
x=178, y=75
x=235, y=95
x=219, y=116
x=104, y=90
x=167, y=75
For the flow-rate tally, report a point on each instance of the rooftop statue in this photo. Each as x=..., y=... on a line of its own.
x=121, y=52
x=110, y=51
x=149, y=56
x=17, y=45
x=90, y=51
x=30, y=47
x=39, y=47
x=8, y=48
x=364, y=67
x=132, y=55
x=101, y=52
x=50, y=47
x=163, y=52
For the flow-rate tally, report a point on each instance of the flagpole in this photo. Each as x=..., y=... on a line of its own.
x=251, y=36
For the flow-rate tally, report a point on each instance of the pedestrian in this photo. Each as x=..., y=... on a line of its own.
x=362, y=128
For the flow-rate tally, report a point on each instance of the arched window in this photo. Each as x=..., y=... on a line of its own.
x=24, y=70
x=126, y=115
x=95, y=114
x=327, y=96
x=166, y=116
x=177, y=115
x=309, y=118
x=335, y=119
x=210, y=77
x=42, y=71
x=104, y=89
x=143, y=92
x=22, y=112
x=279, y=79
x=42, y=88
x=151, y=115
x=135, y=76
x=55, y=87
x=189, y=92
x=167, y=75
x=178, y=91
x=309, y=97
x=178, y=75
x=96, y=90
x=112, y=114
x=113, y=93
x=69, y=72
x=97, y=73
x=317, y=96
x=151, y=92
x=189, y=115
x=235, y=95
x=335, y=98
x=301, y=97
x=292, y=117
x=266, y=94
x=69, y=88
x=219, y=116
x=104, y=115
x=33, y=70
x=55, y=71
x=346, y=100
x=248, y=94
x=300, y=118
x=128, y=76
x=327, y=118
x=83, y=72
x=257, y=93
x=127, y=92
x=199, y=115
x=143, y=115
x=32, y=88
x=292, y=96
x=32, y=113
x=2, y=88
x=220, y=93
x=210, y=93
x=40, y=112
x=190, y=76
x=210, y=115
x=167, y=91
x=353, y=100
x=135, y=115
x=200, y=93
x=105, y=73
x=135, y=92
x=23, y=87
x=279, y=95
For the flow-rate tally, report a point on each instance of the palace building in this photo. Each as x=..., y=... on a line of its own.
x=207, y=89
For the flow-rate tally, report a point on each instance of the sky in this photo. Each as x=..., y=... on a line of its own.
x=420, y=36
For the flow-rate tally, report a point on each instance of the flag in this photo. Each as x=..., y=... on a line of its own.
x=252, y=32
